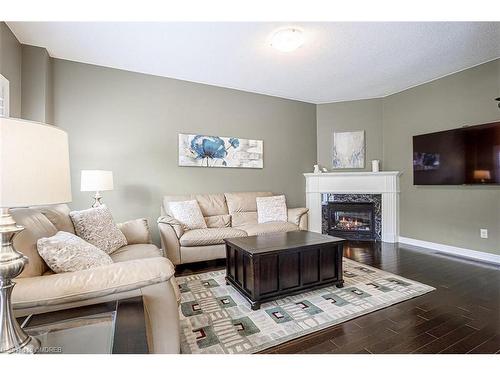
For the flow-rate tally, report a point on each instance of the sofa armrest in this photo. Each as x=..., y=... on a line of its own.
x=136, y=231
x=298, y=216
x=92, y=283
x=176, y=225
x=170, y=232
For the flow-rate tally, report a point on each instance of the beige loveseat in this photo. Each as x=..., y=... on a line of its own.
x=140, y=269
x=227, y=215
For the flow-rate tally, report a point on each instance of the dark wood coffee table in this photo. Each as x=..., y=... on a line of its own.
x=269, y=266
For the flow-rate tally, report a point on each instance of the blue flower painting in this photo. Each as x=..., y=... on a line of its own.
x=213, y=151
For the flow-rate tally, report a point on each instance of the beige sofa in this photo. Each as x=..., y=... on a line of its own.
x=139, y=269
x=227, y=215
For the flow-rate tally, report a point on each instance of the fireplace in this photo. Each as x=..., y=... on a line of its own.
x=353, y=221
x=381, y=188
x=352, y=216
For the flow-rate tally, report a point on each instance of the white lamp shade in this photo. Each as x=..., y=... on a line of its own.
x=97, y=180
x=34, y=164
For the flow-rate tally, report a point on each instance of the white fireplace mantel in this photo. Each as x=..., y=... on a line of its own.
x=384, y=183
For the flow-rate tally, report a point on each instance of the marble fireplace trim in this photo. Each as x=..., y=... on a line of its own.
x=375, y=199
x=384, y=183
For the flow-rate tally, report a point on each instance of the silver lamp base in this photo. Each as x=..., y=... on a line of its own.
x=12, y=337
x=97, y=200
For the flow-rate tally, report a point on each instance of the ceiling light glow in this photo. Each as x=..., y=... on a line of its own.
x=287, y=40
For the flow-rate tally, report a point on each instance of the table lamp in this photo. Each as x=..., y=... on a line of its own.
x=96, y=180
x=34, y=170
x=482, y=175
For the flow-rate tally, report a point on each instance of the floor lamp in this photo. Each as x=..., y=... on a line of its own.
x=34, y=170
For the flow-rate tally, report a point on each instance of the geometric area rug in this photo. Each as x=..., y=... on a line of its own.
x=215, y=318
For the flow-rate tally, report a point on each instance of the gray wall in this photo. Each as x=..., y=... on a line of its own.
x=10, y=67
x=350, y=116
x=37, y=93
x=129, y=123
x=449, y=215
x=29, y=71
x=444, y=214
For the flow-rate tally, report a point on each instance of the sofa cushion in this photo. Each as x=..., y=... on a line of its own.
x=209, y=236
x=212, y=204
x=138, y=251
x=271, y=209
x=58, y=215
x=276, y=226
x=66, y=252
x=36, y=226
x=136, y=231
x=243, y=218
x=243, y=202
x=96, y=226
x=219, y=221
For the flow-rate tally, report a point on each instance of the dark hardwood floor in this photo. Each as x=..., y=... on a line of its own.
x=461, y=316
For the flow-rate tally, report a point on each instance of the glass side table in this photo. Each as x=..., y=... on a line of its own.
x=105, y=328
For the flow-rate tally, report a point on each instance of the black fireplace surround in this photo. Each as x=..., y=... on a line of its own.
x=352, y=216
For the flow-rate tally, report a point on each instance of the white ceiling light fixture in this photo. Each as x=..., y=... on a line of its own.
x=287, y=40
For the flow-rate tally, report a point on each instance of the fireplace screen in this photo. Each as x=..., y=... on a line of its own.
x=351, y=220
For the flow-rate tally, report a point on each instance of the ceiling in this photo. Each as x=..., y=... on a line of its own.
x=339, y=61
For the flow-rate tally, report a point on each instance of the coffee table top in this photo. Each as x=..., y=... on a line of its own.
x=280, y=241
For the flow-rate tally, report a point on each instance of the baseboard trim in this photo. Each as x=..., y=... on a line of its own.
x=458, y=251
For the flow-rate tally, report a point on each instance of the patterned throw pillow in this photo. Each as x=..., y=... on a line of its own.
x=96, y=226
x=65, y=252
x=188, y=213
x=271, y=209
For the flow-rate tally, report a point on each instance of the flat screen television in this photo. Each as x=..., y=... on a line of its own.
x=464, y=156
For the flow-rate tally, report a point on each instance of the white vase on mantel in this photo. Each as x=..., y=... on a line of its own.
x=375, y=165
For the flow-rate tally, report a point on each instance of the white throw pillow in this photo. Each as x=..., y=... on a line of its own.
x=188, y=213
x=96, y=226
x=271, y=209
x=65, y=252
